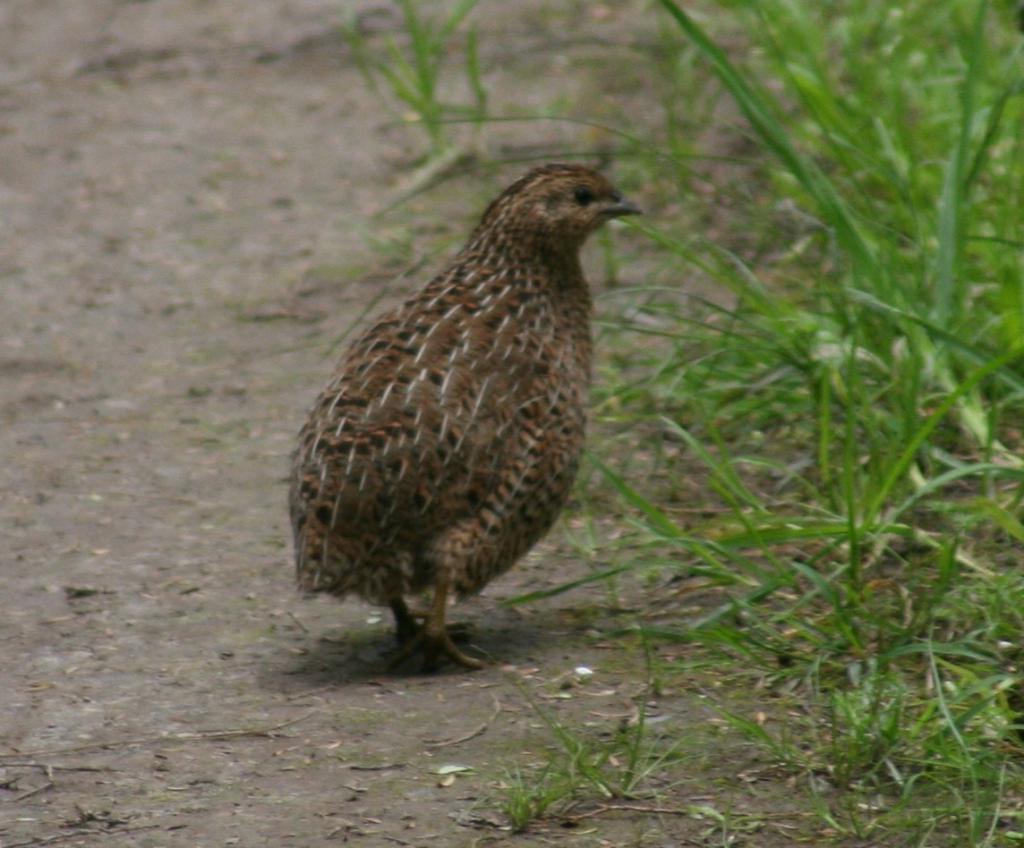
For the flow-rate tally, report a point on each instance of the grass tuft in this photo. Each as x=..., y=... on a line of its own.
x=414, y=69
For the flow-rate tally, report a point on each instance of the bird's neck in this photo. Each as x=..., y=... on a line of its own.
x=560, y=264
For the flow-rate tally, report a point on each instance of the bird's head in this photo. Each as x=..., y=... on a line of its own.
x=555, y=207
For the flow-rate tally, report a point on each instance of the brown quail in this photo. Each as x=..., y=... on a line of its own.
x=447, y=442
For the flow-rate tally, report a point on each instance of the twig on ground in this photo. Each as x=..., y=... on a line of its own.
x=157, y=740
x=29, y=793
x=443, y=743
x=630, y=808
x=306, y=693
x=52, y=767
x=667, y=811
x=78, y=833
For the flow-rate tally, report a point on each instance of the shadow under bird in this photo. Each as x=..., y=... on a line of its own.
x=447, y=441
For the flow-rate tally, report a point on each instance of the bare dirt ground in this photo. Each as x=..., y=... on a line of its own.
x=185, y=196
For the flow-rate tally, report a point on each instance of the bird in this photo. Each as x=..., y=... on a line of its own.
x=447, y=441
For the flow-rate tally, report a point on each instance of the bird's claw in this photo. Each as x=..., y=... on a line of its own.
x=434, y=646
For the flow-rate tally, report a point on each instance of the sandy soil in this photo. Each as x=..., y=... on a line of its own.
x=186, y=189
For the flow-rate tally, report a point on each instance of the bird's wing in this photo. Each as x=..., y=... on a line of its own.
x=421, y=404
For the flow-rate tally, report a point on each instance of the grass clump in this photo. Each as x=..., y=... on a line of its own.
x=583, y=768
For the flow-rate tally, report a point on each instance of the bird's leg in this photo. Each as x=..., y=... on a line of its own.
x=405, y=621
x=407, y=626
x=437, y=641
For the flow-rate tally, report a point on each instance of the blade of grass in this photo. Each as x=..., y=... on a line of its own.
x=899, y=467
x=757, y=110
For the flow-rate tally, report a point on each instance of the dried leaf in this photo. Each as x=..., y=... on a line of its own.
x=452, y=769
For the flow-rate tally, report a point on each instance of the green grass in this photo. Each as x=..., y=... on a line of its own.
x=413, y=69
x=852, y=398
x=582, y=765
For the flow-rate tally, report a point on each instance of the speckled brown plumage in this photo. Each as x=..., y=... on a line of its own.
x=447, y=442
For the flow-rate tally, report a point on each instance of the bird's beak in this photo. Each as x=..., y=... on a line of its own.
x=621, y=206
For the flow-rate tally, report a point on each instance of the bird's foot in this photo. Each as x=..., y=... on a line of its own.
x=460, y=632
x=433, y=646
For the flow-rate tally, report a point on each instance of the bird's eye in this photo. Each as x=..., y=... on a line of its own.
x=583, y=195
